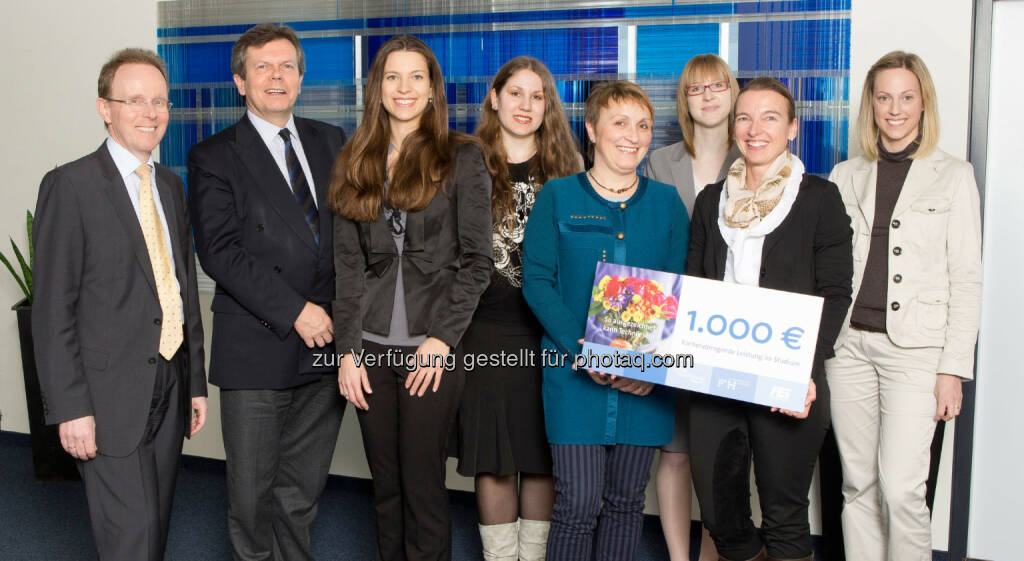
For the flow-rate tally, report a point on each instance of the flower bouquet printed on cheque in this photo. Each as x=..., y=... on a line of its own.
x=632, y=308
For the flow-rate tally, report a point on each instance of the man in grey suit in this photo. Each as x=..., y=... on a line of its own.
x=115, y=319
x=258, y=192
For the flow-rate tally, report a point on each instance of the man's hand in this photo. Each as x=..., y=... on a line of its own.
x=949, y=395
x=314, y=326
x=198, y=414
x=78, y=437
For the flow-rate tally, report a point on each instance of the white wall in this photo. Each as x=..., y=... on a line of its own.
x=57, y=48
x=997, y=497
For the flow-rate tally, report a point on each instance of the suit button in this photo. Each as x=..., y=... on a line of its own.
x=895, y=306
x=897, y=250
x=621, y=235
x=156, y=321
x=152, y=360
x=259, y=227
x=763, y=270
x=897, y=278
x=277, y=269
x=895, y=223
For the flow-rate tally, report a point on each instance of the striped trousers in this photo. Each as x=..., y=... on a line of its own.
x=599, y=501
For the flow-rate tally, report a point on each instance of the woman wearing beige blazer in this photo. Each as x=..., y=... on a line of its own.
x=909, y=339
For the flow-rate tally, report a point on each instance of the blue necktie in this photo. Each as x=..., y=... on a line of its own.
x=300, y=187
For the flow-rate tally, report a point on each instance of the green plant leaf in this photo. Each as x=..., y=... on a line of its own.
x=13, y=274
x=31, y=246
x=26, y=271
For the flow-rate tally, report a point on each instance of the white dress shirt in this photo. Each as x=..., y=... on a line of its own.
x=126, y=164
x=271, y=136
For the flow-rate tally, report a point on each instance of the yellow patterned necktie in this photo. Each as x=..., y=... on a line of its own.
x=171, y=334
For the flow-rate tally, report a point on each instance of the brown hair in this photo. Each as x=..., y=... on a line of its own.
x=604, y=94
x=618, y=91
x=127, y=56
x=867, y=130
x=765, y=84
x=260, y=35
x=556, y=148
x=697, y=69
x=360, y=171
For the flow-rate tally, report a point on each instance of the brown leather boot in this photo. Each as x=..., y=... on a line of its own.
x=762, y=556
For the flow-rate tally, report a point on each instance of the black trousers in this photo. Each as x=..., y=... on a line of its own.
x=278, y=445
x=405, y=438
x=130, y=498
x=724, y=434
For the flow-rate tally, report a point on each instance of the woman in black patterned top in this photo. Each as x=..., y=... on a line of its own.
x=502, y=444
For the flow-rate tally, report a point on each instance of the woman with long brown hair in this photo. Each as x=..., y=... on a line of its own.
x=502, y=445
x=412, y=256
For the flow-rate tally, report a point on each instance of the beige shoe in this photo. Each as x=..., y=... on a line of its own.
x=500, y=541
x=533, y=539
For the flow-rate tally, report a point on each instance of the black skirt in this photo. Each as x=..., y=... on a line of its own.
x=501, y=418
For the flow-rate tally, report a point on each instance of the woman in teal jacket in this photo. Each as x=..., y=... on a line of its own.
x=603, y=432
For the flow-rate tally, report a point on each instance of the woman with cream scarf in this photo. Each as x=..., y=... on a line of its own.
x=767, y=224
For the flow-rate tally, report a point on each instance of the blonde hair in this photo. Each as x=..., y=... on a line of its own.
x=698, y=68
x=867, y=130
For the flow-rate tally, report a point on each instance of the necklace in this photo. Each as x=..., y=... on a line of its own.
x=636, y=179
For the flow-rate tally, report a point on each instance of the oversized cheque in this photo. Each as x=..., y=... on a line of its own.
x=724, y=339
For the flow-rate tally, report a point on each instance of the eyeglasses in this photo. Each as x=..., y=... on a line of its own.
x=159, y=104
x=697, y=89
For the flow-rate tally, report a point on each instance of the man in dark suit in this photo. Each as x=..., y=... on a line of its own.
x=115, y=319
x=258, y=191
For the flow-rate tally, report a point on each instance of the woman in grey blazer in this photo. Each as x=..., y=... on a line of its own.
x=704, y=105
x=908, y=341
x=412, y=253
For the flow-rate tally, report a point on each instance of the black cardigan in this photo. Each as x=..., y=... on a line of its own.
x=446, y=262
x=810, y=252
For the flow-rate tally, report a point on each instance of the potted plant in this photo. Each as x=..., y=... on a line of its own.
x=50, y=461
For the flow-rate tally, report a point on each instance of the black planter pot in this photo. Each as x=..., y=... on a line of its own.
x=49, y=460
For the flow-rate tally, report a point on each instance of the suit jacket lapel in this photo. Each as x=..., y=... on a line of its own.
x=117, y=192
x=320, y=164
x=920, y=178
x=864, y=179
x=682, y=174
x=260, y=163
x=172, y=210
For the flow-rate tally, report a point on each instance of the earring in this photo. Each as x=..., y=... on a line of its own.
x=430, y=100
x=494, y=106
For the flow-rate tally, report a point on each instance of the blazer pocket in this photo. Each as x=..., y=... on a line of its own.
x=93, y=359
x=932, y=205
x=584, y=233
x=934, y=305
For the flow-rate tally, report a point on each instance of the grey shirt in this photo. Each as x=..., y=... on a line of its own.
x=398, y=334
